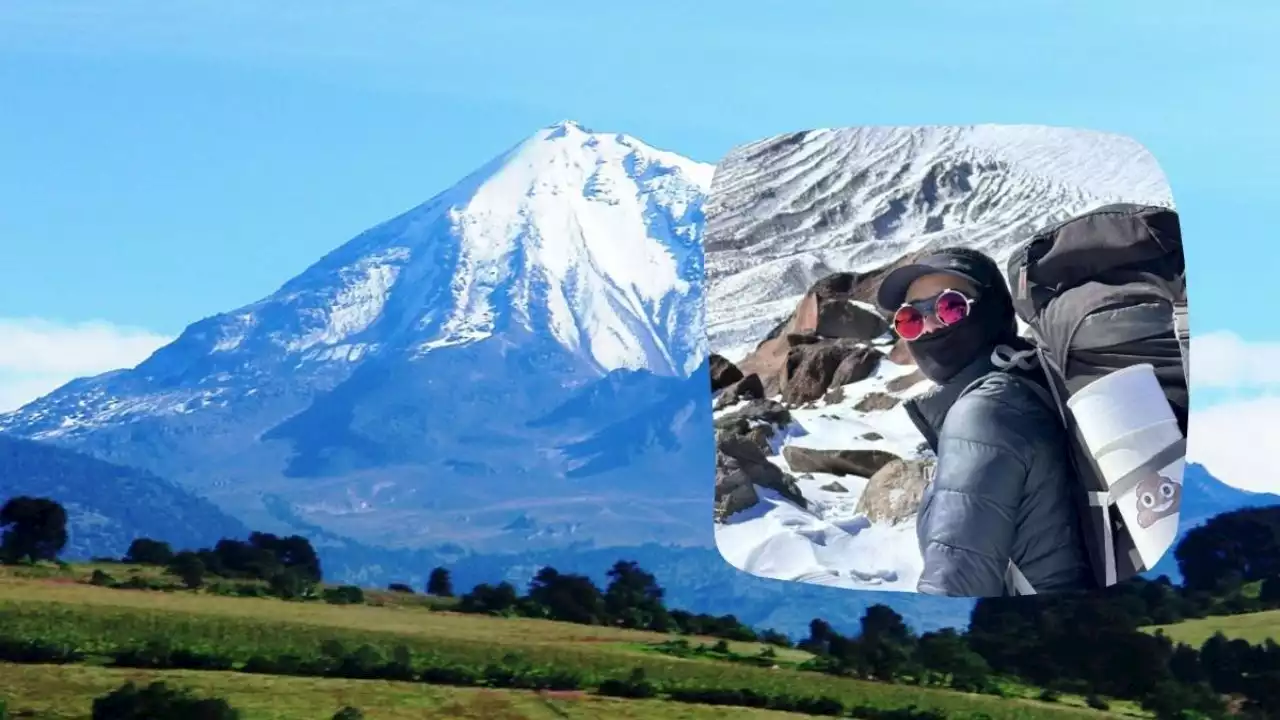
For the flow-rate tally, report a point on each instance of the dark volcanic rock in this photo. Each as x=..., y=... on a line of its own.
x=811, y=369
x=856, y=367
x=723, y=373
x=748, y=388
x=842, y=319
x=861, y=463
x=763, y=411
x=740, y=466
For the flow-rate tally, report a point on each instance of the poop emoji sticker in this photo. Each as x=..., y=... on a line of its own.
x=1158, y=497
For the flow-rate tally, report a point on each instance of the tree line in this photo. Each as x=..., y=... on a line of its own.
x=1086, y=643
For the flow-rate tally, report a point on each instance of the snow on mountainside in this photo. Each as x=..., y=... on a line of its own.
x=589, y=239
x=397, y=377
x=787, y=210
x=787, y=213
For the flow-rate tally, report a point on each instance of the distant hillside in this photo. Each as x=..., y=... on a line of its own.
x=1205, y=496
x=109, y=505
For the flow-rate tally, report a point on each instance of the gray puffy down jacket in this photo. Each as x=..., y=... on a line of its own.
x=1002, y=490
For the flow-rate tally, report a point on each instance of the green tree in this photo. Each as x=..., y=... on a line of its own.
x=567, y=597
x=293, y=552
x=945, y=653
x=1238, y=546
x=290, y=584
x=439, y=583
x=886, y=642
x=34, y=529
x=1269, y=593
x=1174, y=701
x=189, y=568
x=145, y=551
x=633, y=598
x=493, y=599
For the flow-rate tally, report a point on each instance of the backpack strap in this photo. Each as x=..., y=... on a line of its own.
x=1016, y=583
x=1007, y=359
x=1181, y=328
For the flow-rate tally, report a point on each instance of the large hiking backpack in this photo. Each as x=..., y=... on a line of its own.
x=1103, y=291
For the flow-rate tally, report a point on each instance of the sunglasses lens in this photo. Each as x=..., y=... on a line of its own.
x=908, y=323
x=952, y=307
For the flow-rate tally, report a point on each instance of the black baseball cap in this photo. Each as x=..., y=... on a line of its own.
x=965, y=263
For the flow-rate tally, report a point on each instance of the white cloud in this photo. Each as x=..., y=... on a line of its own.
x=1235, y=442
x=1235, y=409
x=37, y=356
x=1222, y=360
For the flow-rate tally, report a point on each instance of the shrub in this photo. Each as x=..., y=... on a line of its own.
x=1097, y=703
x=137, y=582
x=37, y=652
x=251, y=590
x=157, y=700
x=189, y=568
x=809, y=706
x=193, y=660
x=101, y=579
x=744, y=697
x=400, y=588
x=636, y=686
x=289, y=584
x=344, y=595
x=348, y=713
x=4, y=710
x=364, y=663
x=224, y=589
x=910, y=712
x=449, y=674
x=773, y=637
x=283, y=665
x=1049, y=695
x=154, y=655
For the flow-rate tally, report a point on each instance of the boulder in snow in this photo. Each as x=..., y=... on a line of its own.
x=748, y=388
x=861, y=463
x=740, y=466
x=723, y=373
x=894, y=493
x=876, y=401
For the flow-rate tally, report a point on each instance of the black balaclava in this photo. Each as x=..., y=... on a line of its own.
x=943, y=353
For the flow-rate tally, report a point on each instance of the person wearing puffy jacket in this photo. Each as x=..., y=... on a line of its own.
x=999, y=516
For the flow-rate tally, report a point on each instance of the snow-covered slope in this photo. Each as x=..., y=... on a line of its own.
x=787, y=210
x=829, y=542
x=396, y=376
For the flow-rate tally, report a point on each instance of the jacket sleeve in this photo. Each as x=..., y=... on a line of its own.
x=967, y=523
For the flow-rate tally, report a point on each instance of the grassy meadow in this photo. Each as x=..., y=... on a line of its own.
x=59, y=606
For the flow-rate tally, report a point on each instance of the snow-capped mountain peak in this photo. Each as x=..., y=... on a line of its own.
x=589, y=240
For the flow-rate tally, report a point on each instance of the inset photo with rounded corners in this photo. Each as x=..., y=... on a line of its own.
x=946, y=360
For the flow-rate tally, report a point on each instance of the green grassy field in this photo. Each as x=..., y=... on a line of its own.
x=1253, y=627
x=57, y=606
x=66, y=692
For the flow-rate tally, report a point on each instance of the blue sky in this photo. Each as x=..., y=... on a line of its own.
x=166, y=161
